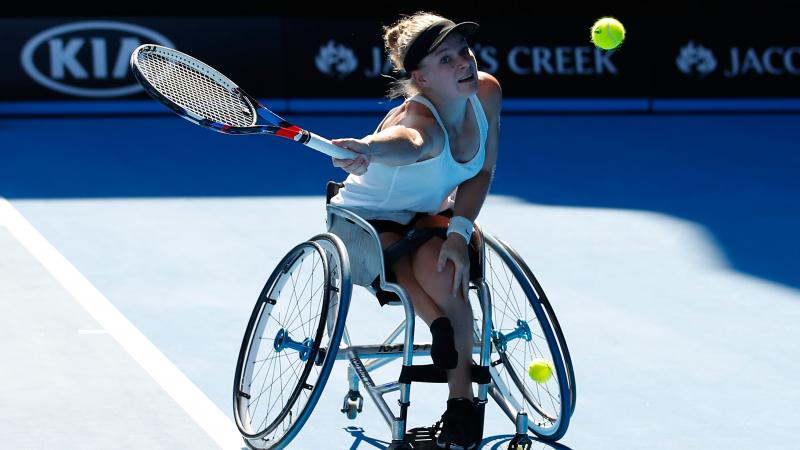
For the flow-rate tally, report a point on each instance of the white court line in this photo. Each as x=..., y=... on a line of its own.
x=196, y=404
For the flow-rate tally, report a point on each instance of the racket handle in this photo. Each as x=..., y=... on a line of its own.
x=323, y=145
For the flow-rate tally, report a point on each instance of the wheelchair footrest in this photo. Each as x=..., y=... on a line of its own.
x=428, y=373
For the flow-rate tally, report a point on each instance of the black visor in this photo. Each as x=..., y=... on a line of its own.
x=432, y=37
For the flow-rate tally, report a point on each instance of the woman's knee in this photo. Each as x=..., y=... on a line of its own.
x=439, y=285
x=424, y=306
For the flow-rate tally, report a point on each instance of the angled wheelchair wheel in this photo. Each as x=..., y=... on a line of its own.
x=524, y=328
x=290, y=344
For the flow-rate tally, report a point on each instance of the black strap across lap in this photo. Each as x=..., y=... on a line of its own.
x=428, y=373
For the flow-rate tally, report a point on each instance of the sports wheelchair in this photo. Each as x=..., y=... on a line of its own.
x=297, y=330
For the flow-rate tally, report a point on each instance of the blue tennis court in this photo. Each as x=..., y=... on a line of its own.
x=666, y=243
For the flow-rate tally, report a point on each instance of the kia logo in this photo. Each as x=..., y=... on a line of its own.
x=87, y=59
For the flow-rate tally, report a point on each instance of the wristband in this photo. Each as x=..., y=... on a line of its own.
x=462, y=226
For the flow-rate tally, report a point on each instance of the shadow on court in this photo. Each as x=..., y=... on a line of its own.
x=733, y=174
x=497, y=442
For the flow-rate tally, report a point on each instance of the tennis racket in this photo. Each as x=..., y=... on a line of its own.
x=202, y=95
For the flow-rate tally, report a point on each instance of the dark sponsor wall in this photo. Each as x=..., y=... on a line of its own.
x=724, y=57
x=554, y=59
x=80, y=58
x=664, y=57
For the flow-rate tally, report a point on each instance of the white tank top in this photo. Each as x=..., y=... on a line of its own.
x=398, y=193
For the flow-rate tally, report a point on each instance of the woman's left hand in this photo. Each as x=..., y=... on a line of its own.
x=455, y=249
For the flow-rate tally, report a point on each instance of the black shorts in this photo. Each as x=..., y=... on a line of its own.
x=389, y=226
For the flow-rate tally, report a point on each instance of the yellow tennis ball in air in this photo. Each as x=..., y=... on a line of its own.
x=608, y=33
x=540, y=370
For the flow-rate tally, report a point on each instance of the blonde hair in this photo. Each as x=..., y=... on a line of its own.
x=397, y=38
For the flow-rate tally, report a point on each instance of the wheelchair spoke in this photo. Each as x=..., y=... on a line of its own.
x=278, y=321
x=280, y=404
x=505, y=316
x=261, y=390
x=303, y=325
x=271, y=358
x=307, y=331
x=264, y=360
x=296, y=298
x=283, y=385
x=276, y=377
x=495, y=286
x=272, y=383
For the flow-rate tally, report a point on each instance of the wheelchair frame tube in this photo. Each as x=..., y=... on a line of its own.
x=399, y=428
x=388, y=387
x=369, y=385
x=486, y=342
x=381, y=353
x=376, y=363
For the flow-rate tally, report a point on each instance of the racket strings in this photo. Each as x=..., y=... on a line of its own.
x=195, y=91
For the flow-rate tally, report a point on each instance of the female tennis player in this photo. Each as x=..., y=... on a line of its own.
x=432, y=156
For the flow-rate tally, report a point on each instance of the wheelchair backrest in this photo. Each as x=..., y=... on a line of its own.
x=362, y=243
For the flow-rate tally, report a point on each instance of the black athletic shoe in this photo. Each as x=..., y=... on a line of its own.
x=456, y=429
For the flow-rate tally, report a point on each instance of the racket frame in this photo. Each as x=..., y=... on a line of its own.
x=278, y=126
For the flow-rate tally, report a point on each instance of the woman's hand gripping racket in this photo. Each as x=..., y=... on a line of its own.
x=202, y=95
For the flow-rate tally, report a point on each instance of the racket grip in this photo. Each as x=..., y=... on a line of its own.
x=323, y=145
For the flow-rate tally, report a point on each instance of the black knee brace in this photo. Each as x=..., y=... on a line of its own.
x=443, y=348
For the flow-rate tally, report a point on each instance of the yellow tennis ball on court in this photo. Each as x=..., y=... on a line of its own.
x=608, y=33
x=540, y=370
